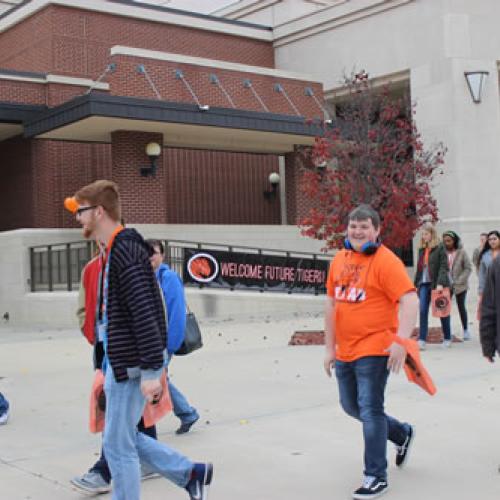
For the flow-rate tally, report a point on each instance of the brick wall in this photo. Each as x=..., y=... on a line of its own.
x=297, y=204
x=59, y=170
x=190, y=187
x=143, y=198
x=28, y=45
x=127, y=81
x=22, y=92
x=76, y=42
x=16, y=187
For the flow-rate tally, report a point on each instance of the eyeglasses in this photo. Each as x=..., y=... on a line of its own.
x=80, y=210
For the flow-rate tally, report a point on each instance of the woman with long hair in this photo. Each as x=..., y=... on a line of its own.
x=432, y=274
x=489, y=252
x=460, y=269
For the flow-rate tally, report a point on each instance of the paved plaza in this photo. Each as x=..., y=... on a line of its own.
x=270, y=420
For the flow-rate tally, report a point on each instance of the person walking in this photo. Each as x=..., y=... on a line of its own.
x=4, y=410
x=367, y=286
x=460, y=270
x=489, y=252
x=432, y=274
x=489, y=324
x=483, y=237
x=131, y=323
x=173, y=293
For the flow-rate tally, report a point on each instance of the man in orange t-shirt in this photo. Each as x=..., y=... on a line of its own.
x=367, y=287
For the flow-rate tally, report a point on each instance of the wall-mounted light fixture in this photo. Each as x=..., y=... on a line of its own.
x=475, y=82
x=274, y=180
x=153, y=151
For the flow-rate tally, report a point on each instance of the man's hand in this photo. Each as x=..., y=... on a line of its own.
x=397, y=357
x=329, y=362
x=151, y=389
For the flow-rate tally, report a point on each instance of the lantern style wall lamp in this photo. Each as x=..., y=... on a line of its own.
x=475, y=82
x=153, y=151
x=274, y=180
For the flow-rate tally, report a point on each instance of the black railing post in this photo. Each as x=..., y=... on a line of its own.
x=49, y=268
x=290, y=289
x=316, y=284
x=32, y=270
x=68, y=267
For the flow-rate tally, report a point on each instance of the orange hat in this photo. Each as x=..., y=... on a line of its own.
x=71, y=205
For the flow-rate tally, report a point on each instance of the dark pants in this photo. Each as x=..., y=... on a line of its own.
x=101, y=466
x=361, y=389
x=462, y=309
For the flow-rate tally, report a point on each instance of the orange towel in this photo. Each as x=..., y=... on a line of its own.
x=152, y=412
x=414, y=368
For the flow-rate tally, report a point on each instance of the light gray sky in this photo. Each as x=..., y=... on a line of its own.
x=204, y=6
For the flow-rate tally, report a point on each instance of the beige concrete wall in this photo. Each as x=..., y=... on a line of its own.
x=57, y=309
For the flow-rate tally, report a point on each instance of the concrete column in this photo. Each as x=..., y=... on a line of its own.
x=143, y=198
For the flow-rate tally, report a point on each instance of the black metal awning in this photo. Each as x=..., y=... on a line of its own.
x=12, y=116
x=93, y=117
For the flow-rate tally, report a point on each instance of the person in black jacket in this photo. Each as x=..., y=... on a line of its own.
x=489, y=324
x=432, y=274
x=131, y=325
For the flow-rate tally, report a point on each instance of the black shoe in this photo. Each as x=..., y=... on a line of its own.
x=185, y=426
x=373, y=487
x=198, y=485
x=403, y=451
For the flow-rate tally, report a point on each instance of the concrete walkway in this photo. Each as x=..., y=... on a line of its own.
x=270, y=419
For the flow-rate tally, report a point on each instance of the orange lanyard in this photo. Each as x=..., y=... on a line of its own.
x=112, y=239
x=427, y=251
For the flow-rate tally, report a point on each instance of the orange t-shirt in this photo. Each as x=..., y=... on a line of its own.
x=366, y=290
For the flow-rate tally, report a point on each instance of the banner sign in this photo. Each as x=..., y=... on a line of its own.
x=245, y=271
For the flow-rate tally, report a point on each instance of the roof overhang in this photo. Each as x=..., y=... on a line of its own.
x=13, y=115
x=93, y=118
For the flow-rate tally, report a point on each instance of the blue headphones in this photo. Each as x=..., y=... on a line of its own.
x=369, y=248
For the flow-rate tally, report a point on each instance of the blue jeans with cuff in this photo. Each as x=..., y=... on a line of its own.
x=361, y=389
x=182, y=409
x=126, y=448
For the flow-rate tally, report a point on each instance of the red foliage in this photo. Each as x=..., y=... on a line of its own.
x=374, y=154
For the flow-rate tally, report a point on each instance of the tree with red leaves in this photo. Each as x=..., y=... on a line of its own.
x=372, y=154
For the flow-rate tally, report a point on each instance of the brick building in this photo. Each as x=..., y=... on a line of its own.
x=85, y=85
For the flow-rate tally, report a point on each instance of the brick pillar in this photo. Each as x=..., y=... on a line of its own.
x=291, y=175
x=297, y=204
x=143, y=198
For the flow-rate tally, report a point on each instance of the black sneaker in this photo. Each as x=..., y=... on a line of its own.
x=403, y=451
x=198, y=485
x=186, y=426
x=373, y=487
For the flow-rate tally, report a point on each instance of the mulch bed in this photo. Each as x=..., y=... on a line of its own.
x=317, y=337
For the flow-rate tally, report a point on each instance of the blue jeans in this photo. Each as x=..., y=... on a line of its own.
x=361, y=389
x=424, y=294
x=182, y=409
x=4, y=404
x=125, y=448
x=101, y=466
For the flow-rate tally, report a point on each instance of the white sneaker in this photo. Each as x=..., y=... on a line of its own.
x=446, y=344
x=466, y=335
x=4, y=417
x=421, y=345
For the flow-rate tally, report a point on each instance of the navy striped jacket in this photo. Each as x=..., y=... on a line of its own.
x=136, y=315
